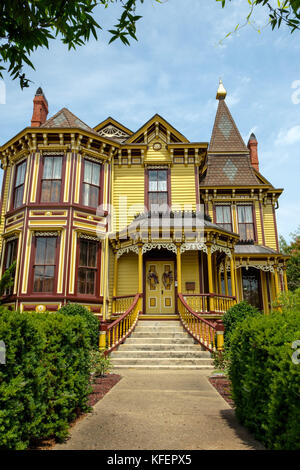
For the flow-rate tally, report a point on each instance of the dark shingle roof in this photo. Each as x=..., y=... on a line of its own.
x=253, y=250
x=229, y=170
x=65, y=119
x=225, y=135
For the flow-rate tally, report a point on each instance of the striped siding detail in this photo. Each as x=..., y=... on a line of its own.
x=161, y=156
x=183, y=187
x=128, y=195
x=35, y=177
x=4, y=202
x=269, y=226
x=67, y=178
x=258, y=222
x=61, y=262
x=128, y=281
x=190, y=270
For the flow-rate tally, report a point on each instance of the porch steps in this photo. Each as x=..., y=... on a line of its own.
x=158, y=317
x=160, y=345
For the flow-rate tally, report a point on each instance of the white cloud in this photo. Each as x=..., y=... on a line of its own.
x=288, y=136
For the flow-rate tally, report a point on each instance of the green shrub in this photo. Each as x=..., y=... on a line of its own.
x=91, y=321
x=100, y=364
x=265, y=381
x=234, y=316
x=46, y=376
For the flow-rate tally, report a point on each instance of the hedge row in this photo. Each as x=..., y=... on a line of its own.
x=265, y=381
x=46, y=376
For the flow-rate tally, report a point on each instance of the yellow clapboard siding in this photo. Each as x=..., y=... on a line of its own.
x=129, y=194
x=269, y=226
x=258, y=222
x=160, y=156
x=183, y=188
x=190, y=270
x=128, y=275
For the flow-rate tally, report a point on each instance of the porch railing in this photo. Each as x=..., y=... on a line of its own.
x=207, y=332
x=122, y=303
x=118, y=331
x=209, y=303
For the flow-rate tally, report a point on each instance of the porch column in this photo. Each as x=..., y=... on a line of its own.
x=105, y=273
x=285, y=279
x=210, y=277
x=276, y=278
x=179, y=281
x=225, y=276
x=232, y=274
x=140, y=271
x=115, y=281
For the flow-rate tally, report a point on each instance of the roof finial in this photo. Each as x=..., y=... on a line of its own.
x=221, y=93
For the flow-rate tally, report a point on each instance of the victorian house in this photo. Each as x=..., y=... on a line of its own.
x=107, y=217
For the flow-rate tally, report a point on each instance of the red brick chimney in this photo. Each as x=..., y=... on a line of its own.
x=40, y=109
x=252, y=146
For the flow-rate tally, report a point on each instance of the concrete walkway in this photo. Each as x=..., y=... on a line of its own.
x=161, y=410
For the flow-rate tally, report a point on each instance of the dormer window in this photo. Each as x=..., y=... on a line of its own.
x=158, y=190
x=223, y=217
x=246, y=224
x=19, y=184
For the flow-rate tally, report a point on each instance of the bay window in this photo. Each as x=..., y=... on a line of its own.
x=91, y=184
x=87, y=267
x=51, y=179
x=44, y=264
x=19, y=184
x=10, y=256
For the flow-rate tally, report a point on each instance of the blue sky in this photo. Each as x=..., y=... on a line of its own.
x=174, y=70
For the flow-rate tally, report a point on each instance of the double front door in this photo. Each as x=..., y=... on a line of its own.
x=160, y=287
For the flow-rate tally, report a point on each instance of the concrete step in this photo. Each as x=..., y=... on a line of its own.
x=157, y=340
x=152, y=354
x=160, y=347
x=160, y=361
x=159, y=334
x=168, y=367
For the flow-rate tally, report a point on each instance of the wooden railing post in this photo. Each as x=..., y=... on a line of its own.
x=285, y=279
x=220, y=335
x=102, y=336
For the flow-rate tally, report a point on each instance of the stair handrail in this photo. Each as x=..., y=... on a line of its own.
x=122, y=327
x=208, y=333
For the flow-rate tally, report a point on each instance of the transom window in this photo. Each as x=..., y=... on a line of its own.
x=223, y=217
x=51, y=180
x=246, y=225
x=87, y=267
x=91, y=184
x=19, y=184
x=44, y=264
x=158, y=190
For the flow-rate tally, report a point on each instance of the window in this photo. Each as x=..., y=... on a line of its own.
x=51, y=180
x=158, y=190
x=87, y=267
x=44, y=264
x=10, y=257
x=19, y=184
x=91, y=184
x=245, y=220
x=223, y=217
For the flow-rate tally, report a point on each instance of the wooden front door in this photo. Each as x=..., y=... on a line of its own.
x=160, y=287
